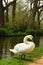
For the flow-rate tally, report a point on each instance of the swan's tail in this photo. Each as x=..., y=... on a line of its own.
x=10, y=50
x=13, y=51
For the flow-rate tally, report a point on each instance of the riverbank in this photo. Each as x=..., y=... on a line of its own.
x=15, y=60
x=8, y=32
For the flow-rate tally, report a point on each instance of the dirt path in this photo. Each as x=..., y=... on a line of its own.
x=36, y=62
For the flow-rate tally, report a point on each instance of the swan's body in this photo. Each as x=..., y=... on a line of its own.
x=23, y=48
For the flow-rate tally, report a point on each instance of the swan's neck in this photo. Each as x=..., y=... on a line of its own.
x=25, y=40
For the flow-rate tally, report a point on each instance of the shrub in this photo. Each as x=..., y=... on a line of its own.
x=5, y=31
x=21, y=33
x=35, y=32
x=30, y=32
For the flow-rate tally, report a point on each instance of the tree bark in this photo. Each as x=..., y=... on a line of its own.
x=7, y=16
x=38, y=16
x=1, y=14
x=13, y=11
x=33, y=14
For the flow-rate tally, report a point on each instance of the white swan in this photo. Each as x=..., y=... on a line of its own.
x=26, y=47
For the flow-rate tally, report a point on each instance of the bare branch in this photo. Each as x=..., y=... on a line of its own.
x=5, y=1
x=8, y=5
x=41, y=10
x=40, y=7
x=41, y=19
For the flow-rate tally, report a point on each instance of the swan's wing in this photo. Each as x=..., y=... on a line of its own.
x=21, y=47
x=24, y=48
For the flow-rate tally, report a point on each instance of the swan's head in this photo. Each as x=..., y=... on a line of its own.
x=30, y=37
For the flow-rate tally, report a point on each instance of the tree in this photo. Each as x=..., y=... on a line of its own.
x=13, y=11
x=1, y=14
x=7, y=15
x=33, y=12
x=2, y=9
x=20, y=16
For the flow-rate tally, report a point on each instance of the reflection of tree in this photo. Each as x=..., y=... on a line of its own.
x=15, y=40
x=6, y=46
x=37, y=40
x=1, y=46
x=7, y=43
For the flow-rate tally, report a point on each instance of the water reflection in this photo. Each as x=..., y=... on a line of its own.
x=41, y=41
x=8, y=42
x=37, y=40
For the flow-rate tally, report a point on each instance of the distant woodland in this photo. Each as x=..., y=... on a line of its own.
x=19, y=15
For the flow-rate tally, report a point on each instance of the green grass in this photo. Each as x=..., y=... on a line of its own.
x=15, y=60
x=12, y=61
x=37, y=53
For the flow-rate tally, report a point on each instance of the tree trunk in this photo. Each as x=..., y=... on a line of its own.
x=13, y=11
x=33, y=14
x=38, y=20
x=1, y=14
x=7, y=16
x=38, y=16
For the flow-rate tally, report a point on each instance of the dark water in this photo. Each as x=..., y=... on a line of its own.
x=8, y=42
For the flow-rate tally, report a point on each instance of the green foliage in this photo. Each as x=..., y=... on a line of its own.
x=32, y=32
x=40, y=32
x=12, y=61
x=21, y=33
x=35, y=32
x=8, y=31
x=5, y=31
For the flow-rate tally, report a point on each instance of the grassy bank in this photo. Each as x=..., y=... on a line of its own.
x=10, y=32
x=37, y=53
